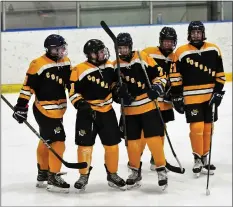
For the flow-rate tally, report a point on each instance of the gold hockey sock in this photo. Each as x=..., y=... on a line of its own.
x=163, y=140
x=134, y=152
x=54, y=162
x=206, y=137
x=196, y=137
x=85, y=155
x=111, y=157
x=156, y=147
x=143, y=142
x=43, y=156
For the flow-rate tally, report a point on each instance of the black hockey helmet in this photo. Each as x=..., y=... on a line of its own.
x=196, y=25
x=168, y=33
x=93, y=46
x=125, y=39
x=55, y=46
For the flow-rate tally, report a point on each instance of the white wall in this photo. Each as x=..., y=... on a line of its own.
x=19, y=48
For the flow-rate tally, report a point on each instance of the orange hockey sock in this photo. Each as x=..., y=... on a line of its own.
x=111, y=157
x=85, y=155
x=206, y=137
x=134, y=152
x=196, y=137
x=156, y=147
x=54, y=162
x=43, y=156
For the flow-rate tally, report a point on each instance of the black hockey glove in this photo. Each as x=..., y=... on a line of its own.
x=84, y=109
x=216, y=98
x=155, y=91
x=122, y=92
x=20, y=113
x=178, y=103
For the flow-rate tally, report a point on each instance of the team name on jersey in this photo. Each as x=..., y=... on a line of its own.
x=200, y=66
x=103, y=84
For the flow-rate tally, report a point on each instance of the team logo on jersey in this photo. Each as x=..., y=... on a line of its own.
x=194, y=112
x=82, y=132
x=57, y=130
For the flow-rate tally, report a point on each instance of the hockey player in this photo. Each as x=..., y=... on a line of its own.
x=141, y=113
x=163, y=55
x=197, y=81
x=47, y=78
x=91, y=95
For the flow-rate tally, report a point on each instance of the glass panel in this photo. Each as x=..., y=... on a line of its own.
x=40, y=14
x=114, y=13
x=174, y=12
x=228, y=7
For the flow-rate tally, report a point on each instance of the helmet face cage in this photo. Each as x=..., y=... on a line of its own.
x=98, y=48
x=60, y=52
x=196, y=25
x=168, y=33
x=56, y=46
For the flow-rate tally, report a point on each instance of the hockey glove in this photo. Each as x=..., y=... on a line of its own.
x=216, y=98
x=178, y=103
x=20, y=113
x=155, y=91
x=84, y=109
x=122, y=92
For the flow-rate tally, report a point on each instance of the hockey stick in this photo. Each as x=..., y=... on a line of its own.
x=114, y=39
x=182, y=170
x=80, y=165
x=212, y=132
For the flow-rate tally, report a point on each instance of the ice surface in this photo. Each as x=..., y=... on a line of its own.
x=18, y=167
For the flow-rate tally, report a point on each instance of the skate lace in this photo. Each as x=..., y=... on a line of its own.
x=59, y=178
x=197, y=163
x=115, y=177
x=83, y=179
x=134, y=174
x=162, y=175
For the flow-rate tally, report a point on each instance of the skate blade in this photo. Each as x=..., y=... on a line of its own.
x=55, y=189
x=82, y=190
x=41, y=184
x=205, y=172
x=164, y=187
x=112, y=185
x=196, y=175
x=136, y=185
x=152, y=167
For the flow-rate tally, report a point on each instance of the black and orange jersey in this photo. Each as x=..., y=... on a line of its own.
x=93, y=84
x=197, y=73
x=48, y=81
x=165, y=63
x=133, y=75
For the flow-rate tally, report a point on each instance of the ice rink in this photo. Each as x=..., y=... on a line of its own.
x=19, y=171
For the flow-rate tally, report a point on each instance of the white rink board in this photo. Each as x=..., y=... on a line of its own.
x=20, y=48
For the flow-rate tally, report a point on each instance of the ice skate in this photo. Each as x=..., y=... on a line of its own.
x=56, y=183
x=115, y=181
x=197, y=167
x=134, y=179
x=82, y=182
x=206, y=166
x=162, y=177
x=42, y=178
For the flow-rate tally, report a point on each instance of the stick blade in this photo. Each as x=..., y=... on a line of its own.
x=108, y=31
x=174, y=168
x=207, y=192
x=79, y=165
